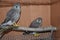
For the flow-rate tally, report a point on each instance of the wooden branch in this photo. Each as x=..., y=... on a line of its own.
x=41, y=29
x=35, y=29
x=25, y=29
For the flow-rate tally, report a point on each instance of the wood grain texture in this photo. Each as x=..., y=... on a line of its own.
x=7, y=3
x=41, y=29
x=55, y=19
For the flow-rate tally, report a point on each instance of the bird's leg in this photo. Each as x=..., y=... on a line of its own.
x=36, y=34
x=15, y=24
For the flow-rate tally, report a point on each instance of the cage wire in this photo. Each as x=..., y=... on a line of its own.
x=42, y=36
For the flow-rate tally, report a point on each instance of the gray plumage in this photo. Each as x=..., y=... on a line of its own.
x=35, y=24
x=12, y=17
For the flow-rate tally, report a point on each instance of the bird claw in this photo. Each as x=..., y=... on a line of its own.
x=36, y=34
x=15, y=24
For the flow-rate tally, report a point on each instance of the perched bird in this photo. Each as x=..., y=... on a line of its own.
x=35, y=24
x=11, y=18
x=13, y=15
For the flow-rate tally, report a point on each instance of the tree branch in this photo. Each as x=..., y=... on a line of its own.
x=41, y=29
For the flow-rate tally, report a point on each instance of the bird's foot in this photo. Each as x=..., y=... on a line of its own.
x=36, y=34
x=15, y=25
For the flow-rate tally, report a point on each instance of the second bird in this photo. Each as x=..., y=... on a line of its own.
x=35, y=24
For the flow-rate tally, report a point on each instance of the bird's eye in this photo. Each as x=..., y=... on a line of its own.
x=40, y=21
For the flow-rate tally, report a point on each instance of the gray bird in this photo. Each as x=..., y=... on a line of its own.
x=35, y=24
x=11, y=18
x=13, y=15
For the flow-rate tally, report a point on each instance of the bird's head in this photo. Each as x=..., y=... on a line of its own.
x=39, y=20
x=17, y=6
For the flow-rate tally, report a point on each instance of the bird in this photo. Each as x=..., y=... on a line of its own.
x=36, y=23
x=12, y=17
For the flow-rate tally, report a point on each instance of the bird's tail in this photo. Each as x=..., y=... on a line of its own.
x=2, y=30
x=1, y=33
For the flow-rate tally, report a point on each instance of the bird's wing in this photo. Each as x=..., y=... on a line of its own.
x=9, y=16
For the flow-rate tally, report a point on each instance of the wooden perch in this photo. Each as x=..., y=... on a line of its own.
x=35, y=29
x=41, y=29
